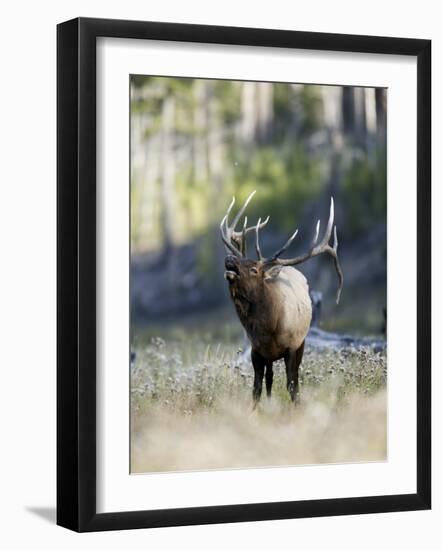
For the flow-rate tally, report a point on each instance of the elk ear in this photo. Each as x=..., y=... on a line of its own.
x=272, y=272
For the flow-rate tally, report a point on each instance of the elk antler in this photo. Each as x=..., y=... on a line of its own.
x=235, y=241
x=315, y=249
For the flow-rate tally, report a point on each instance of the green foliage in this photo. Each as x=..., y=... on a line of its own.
x=364, y=193
x=228, y=95
x=148, y=98
x=289, y=166
x=296, y=106
x=206, y=263
x=311, y=107
x=282, y=102
x=282, y=177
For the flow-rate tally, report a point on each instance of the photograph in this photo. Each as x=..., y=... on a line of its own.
x=258, y=274
x=220, y=323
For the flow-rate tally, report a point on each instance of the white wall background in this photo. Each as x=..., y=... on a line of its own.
x=27, y=274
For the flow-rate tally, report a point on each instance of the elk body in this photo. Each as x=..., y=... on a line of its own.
x=271, y=298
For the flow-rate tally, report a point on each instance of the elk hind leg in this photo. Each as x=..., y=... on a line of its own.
x=292, y=361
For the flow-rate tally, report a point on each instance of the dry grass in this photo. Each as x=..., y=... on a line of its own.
x=192, y=410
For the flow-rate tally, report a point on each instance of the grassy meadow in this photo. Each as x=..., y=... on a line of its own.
x=191, y=404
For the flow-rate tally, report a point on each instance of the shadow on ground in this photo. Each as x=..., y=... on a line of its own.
x=45, y=512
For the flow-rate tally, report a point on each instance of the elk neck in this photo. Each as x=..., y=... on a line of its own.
x=257, y=317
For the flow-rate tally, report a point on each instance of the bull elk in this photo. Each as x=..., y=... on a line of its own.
x=271, y=297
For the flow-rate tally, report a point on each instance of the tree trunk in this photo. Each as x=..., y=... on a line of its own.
x=359, y=116
x=332, y=107
x=348, y=109
x=200, y=131
x=370, y=109
x=265, y=111
x=215, y=151
x=248, y=112
x=168, y=172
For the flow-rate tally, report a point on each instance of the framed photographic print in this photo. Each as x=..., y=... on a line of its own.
x=243, y=274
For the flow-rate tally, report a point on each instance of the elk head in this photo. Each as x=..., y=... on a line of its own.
x=247, y=278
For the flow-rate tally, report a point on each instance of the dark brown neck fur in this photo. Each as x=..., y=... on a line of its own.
x=259, y=319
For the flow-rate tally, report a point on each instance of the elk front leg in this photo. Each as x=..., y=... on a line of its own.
x=292, y=361
x=258, y=365
x=269, y=379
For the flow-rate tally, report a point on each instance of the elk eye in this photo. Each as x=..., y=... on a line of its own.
x=253, y=271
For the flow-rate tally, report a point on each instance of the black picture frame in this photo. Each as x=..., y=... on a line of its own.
x=77, y=287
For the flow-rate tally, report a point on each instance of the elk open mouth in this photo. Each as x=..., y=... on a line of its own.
x=230, y=275
x=231, y=271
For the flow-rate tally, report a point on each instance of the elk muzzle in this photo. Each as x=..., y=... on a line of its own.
x=232, y=271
